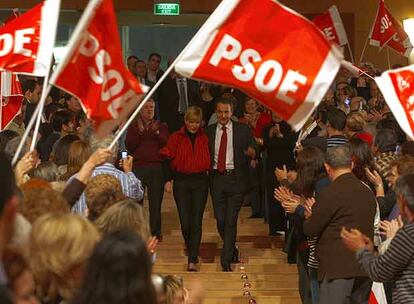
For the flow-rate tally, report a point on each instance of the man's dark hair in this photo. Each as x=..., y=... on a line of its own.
x=226, y=98
x=386, y=140
x=139, y=61
x=5, y=137
x=61, y=118
x=154, y=55
x=337, y=119
x=29, y=85
x=61, y=149
x=405, y=188
x=51, y=109
x=7, y=181
x=132, y=57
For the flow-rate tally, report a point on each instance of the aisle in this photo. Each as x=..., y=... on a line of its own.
x=272, y=279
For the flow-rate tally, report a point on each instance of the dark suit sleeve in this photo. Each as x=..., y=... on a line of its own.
x=321, y=214
x=251, y=142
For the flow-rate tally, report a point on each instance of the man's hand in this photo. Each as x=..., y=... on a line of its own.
x=126, y=163
x=390, y=228
x=355, y=240
x=281, y=174
x=99, y=157
x=250, y=152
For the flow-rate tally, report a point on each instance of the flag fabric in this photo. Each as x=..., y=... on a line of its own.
x=397, y=86
x=93, y=69
x=12, y=97
x=388, y=31
x=330, y=23
x=383, y=29
x=377, y=295
x=267, y=50
x=26, y=42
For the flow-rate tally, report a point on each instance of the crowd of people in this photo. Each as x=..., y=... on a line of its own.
x=73, y=228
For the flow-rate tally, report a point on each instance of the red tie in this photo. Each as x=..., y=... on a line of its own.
x=222, y=155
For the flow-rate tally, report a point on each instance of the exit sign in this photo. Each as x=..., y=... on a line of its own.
x=166, y=9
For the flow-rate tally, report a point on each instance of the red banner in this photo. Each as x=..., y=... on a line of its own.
x=94, y=71
x=331, y=25
x=388, y=31
x=26, y=42
x=267, y=50
x=397, y=86
x=12, y=97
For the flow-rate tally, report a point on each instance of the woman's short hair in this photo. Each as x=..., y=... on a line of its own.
x=61, y=149
x=38, y=201
x=404, y=164
x=127, y=214
x=174, y=289
x=59, y=245
x=193, y=113
x=101, y=192
x=355, y=122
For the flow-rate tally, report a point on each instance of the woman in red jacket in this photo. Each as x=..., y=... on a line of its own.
x=188, y=151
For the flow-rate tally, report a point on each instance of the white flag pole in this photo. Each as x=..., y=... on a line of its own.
x=166, y=73
x=350, y=53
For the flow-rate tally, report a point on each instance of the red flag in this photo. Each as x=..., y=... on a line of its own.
x=400, y=42
x=12, y=94
x=330, y=23
x=94, y=71
x=26, y=42
x=397, y=86
x=383, y=29
x=267, y=50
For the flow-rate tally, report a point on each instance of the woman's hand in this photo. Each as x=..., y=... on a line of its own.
x=376, y=179
x=281, y=174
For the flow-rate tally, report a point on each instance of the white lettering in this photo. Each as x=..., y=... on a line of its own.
x=289, y=85
x=229, y=48
x=102, y=58
x=329, y=33
x=246, y=71
x=89, y=46
x=22, y=39
x=6, y=44
x=269, y=66
x=115, y=88
x=118, y=103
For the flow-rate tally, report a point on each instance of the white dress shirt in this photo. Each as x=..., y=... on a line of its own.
x=230, y=152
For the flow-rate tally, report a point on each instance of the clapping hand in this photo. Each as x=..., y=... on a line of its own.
x=355, y=240
x=309, y=202
x=390, y=228
x=281, y=174
x=374, y=177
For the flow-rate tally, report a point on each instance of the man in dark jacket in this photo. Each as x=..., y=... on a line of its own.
x=231, y=147
x=348, y=203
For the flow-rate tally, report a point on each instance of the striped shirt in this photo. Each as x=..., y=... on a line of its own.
x=396, y=264
x=131, y=185
x=336, y=140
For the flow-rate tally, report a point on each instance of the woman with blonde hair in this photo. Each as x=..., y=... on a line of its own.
x=59, y=247
x=188, y=152
x=126, y=214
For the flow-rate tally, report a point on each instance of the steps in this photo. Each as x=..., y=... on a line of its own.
x=272, y=279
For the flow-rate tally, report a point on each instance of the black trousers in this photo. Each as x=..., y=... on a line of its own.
x=227, y=201
x=153, y=179
x=277, y=215
x=190, y=195
x=255, y=189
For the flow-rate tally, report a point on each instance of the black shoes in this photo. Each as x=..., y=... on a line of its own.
x=236, y=256
x=254, y=216
x=226, y=268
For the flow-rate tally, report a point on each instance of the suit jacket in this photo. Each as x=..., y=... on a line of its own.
x=242, y=139
x=168, y=99
x=348, y=203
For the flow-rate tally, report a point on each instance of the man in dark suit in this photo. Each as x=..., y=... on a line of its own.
x=175, y=95
x=349, y=203
x=232, y=146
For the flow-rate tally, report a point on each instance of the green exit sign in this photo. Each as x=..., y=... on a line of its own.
x=167, y=9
